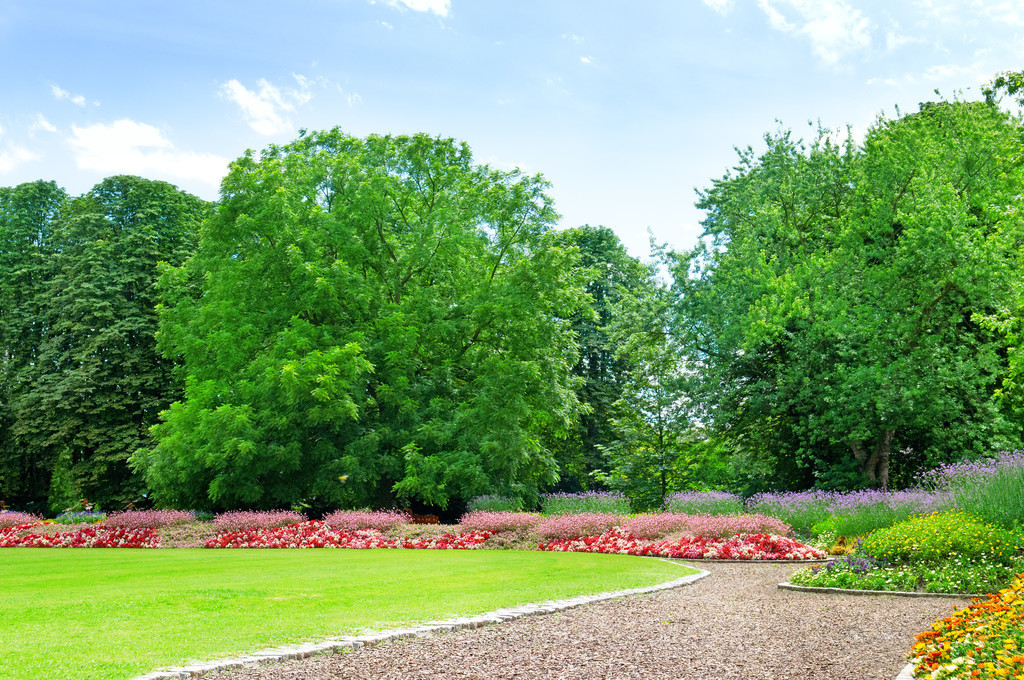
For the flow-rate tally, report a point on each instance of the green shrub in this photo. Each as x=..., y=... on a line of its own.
x=606, y=502
x=940, y=536
x=495, y=503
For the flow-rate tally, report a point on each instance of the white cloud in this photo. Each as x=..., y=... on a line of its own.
x=946, y=72
x=438, y=7
x=723, y=7
x=573, y=37
x=894, y=39
x=13, y=156
x=266, y=108
x=127, y=146
x=40, y=123
x=585, y=60
x=835, y=29
x=1001, y=12
x=775, y=17
x=948, y=75
x=386, y=25
x=60, y=93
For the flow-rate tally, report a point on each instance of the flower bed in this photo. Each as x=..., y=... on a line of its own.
x=739, y=547
x=564, y=527
x=948, y=552
x=499, y=521
x=10, y=518
x=149, y=519
x=85, y=537
x=322, y=535
x=985, y=640
x=662, y=524
x=354, y=520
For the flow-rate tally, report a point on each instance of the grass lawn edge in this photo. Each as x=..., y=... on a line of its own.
x=341, y=643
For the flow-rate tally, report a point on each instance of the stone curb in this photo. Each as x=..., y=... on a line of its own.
x=700, y=560
x=853, y=591
x=345, y=643
x=907, y=673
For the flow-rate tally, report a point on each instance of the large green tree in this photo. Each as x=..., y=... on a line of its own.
x=95, y=382
x=29, y=214
x=368, y=322
x=610, y=273
x=833, y=308
x=650, y=451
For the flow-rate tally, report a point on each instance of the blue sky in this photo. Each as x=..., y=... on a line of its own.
x=625, y=107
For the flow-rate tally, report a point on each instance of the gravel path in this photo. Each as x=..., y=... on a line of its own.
x=734, y=624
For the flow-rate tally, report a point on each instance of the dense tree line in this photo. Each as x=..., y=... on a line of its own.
x=838, y=313
x=385, y=322
x=81, y=380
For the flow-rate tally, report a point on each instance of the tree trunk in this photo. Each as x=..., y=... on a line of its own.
x=882, y=447
x=875, y=465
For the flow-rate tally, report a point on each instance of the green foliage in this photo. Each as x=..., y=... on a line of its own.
x=655, y=451
x=64, y=491
x=29, y=214
x=80, y=517
x=587, y=502
x=940, y=536
x=704, y=503
x=495, y=503
x=610, y=275
x=957, y=574
x=996, y=497
x=84, y=381
x=835, y=303
x=367, y=320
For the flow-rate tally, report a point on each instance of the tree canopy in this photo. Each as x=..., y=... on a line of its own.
x=832, y=309
x=371, y=321
x=82, y=379
x=385, y=322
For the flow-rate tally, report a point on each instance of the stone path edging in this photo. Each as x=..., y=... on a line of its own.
x=341, y=644
x=907, y=673
x=853, y=591
x=698, y=560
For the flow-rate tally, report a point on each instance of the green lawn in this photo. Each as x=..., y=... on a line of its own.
x=98, y=614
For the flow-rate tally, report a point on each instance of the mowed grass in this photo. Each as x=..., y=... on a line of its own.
x=99, y=614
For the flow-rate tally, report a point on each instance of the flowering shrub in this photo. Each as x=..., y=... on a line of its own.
x=497, y=522
x=663, y=524
x=301, y=535
x=704, y=502
x=85, y=537
x=992, y=489
x=81, y=517
x=850, y=513
x=740, y=547
x=142, y=519
x=353, y=520
x=10, y=518
x=464, y=541
x=608, y=502
x=574, y=526
x=939, y=536
x=322, y=535
x=190, y=535
x=495, y=503
x=249, y=519
x=985, y=640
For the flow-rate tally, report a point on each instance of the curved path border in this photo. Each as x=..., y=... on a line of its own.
x=908, y=671
x=853, y=591
x=352, y=642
